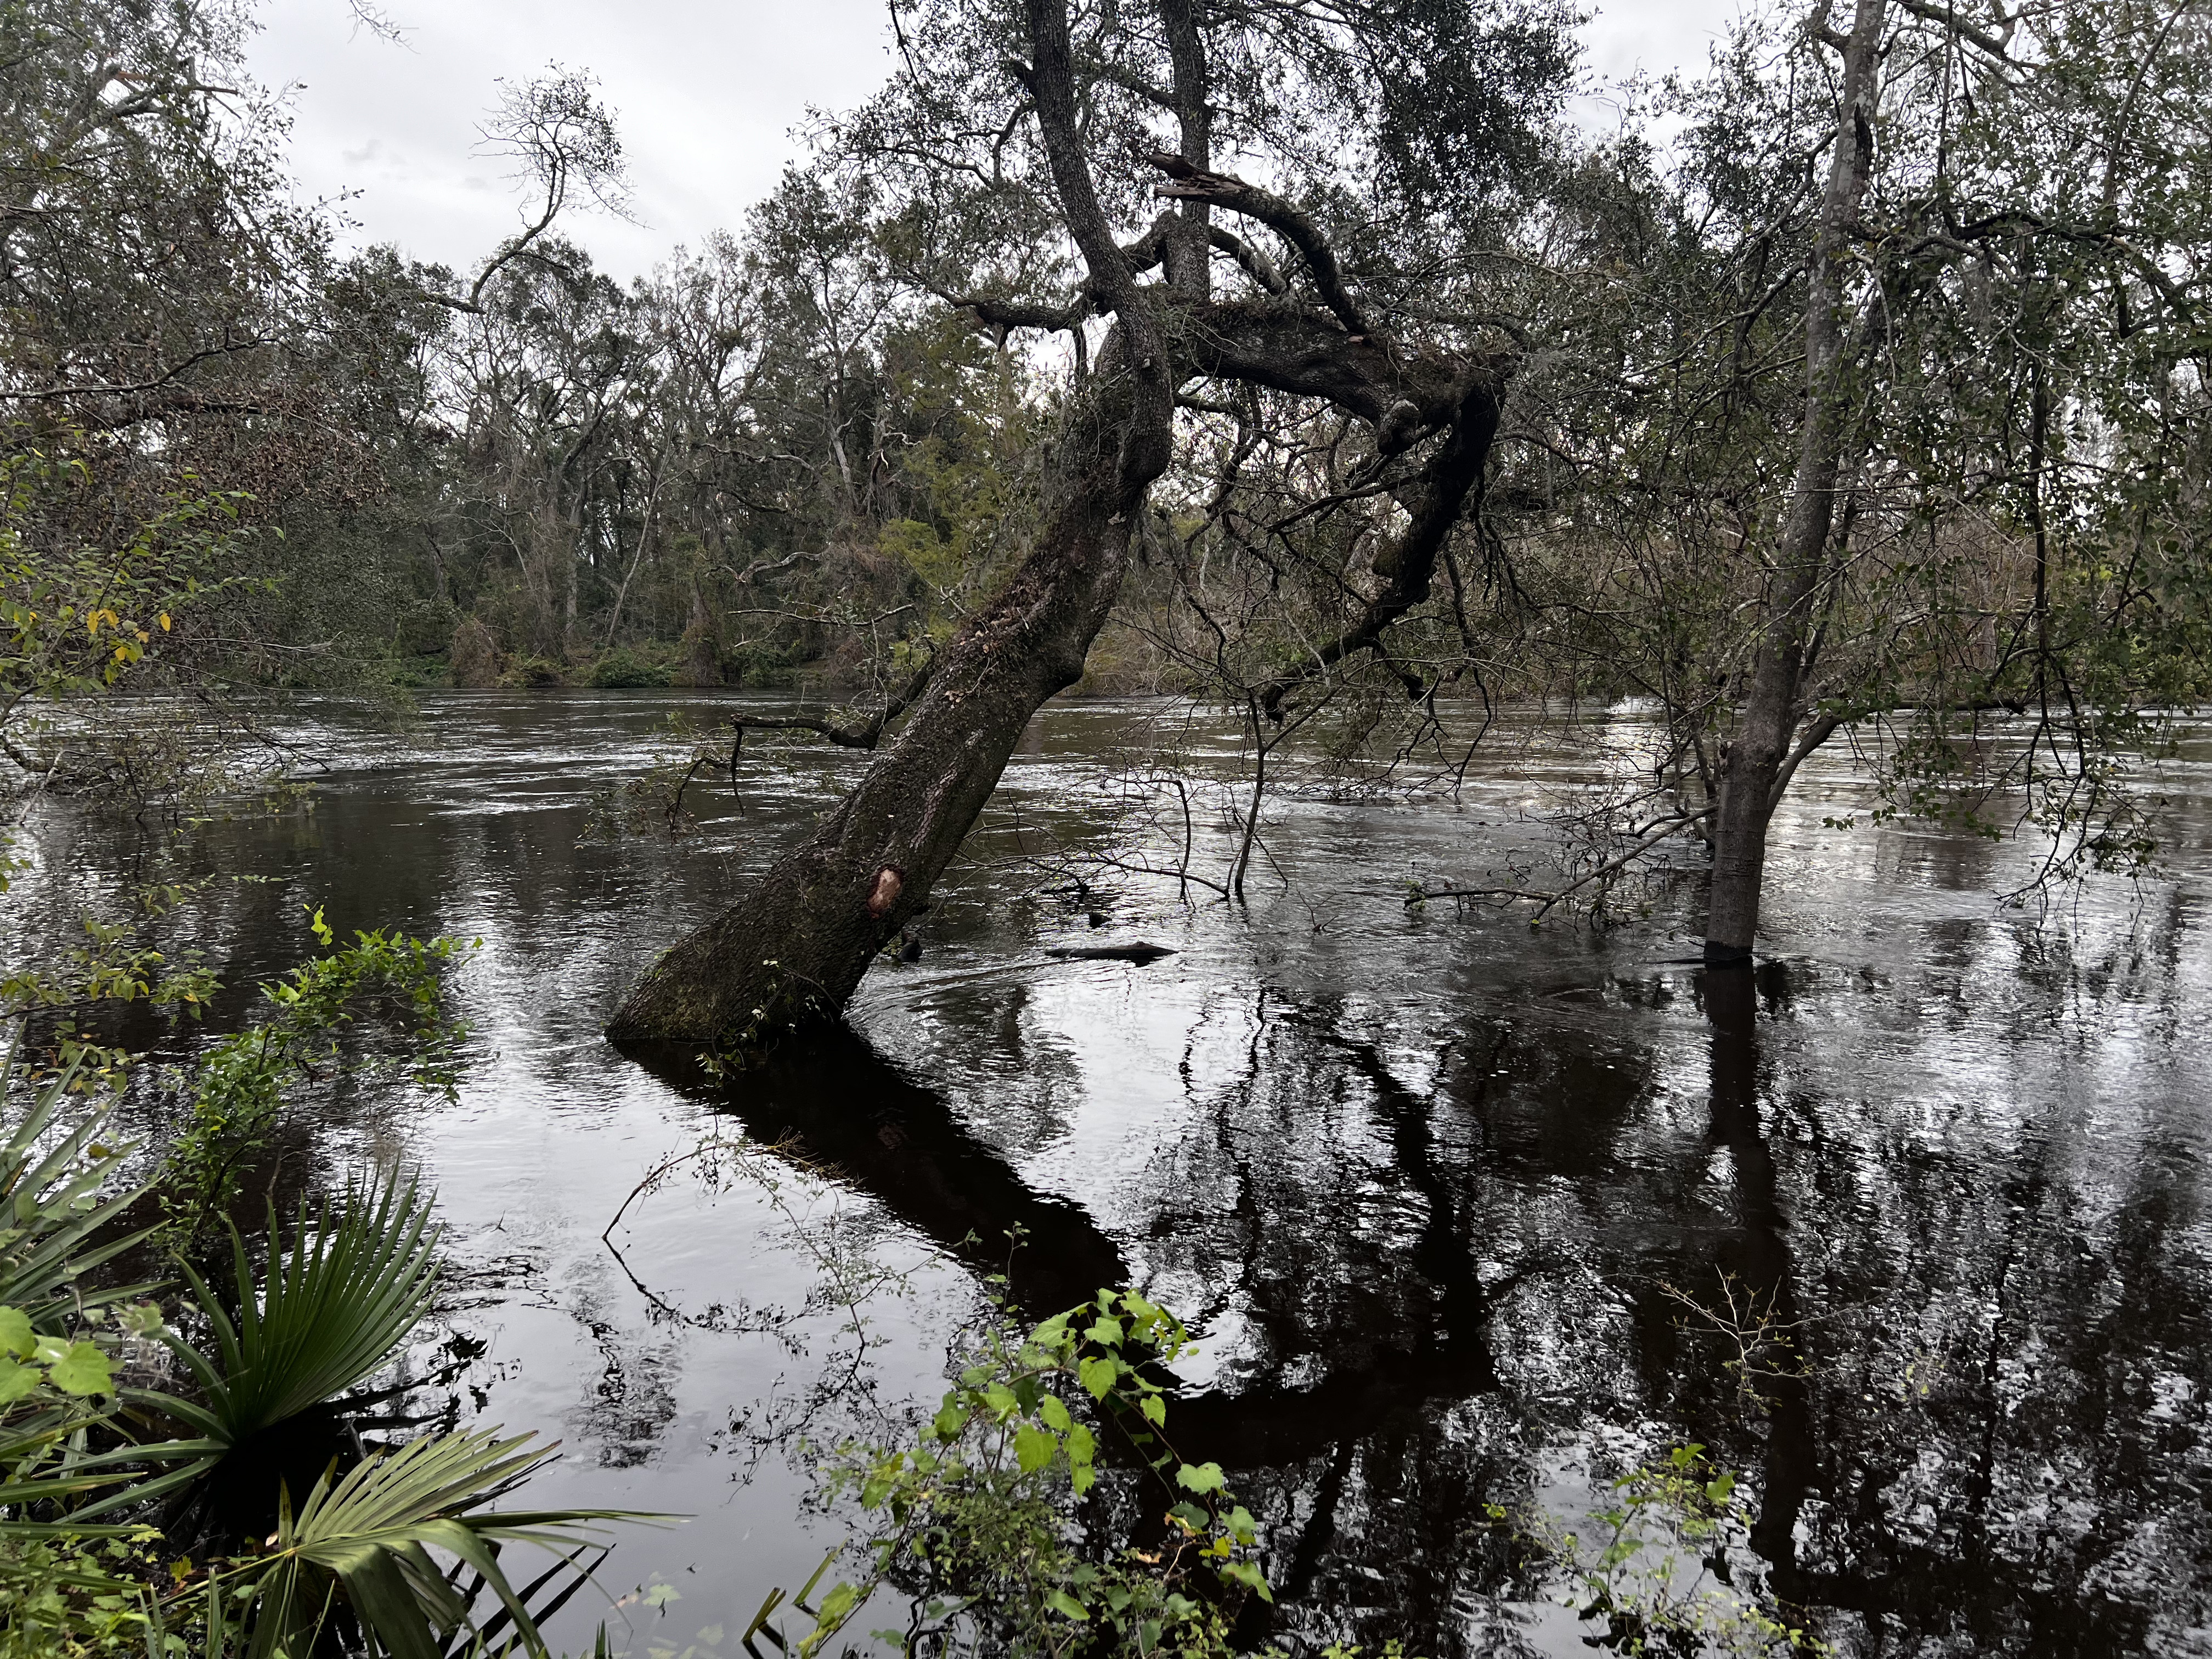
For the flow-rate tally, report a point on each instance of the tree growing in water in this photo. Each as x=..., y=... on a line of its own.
x=1046, y=172
x=1889, y=428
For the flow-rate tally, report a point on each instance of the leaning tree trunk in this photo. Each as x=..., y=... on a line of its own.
x=795, y=947
x=1756, y=764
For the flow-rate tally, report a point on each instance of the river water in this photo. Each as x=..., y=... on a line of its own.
x=1452, y=1202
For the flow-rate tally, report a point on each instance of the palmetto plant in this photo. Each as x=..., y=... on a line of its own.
x=399, y=1555
x=53, y=1211
x=371, y=1534
x=330, y=1313
x=330, y=1309
x=57, y=1229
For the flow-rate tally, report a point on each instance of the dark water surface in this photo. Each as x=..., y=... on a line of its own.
x=1422, y=1179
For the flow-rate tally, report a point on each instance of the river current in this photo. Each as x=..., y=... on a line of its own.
x=1456, y=1205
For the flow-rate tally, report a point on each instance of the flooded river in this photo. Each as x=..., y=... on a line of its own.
x=1456, y=1205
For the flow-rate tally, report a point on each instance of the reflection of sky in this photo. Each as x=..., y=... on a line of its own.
x=1439, y=1153
x=709, y=96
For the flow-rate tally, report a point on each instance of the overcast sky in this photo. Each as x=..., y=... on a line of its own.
x=707, y=93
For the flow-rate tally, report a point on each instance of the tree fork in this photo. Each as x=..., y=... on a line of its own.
x=793, y=949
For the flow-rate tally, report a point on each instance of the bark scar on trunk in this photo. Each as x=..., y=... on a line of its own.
x=889, y=880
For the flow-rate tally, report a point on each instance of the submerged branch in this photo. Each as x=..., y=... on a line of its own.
x=1664, y=831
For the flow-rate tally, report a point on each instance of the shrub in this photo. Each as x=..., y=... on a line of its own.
x=973, y=1521
x=533, y=673
x=622, y=668
x=475, y=655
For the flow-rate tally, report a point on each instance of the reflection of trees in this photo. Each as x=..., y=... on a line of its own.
x=848, y=1113
x=1758, y=1255
x=1975, y=1170
x=1386, y=1255
x=2013, y=1368
x=2004, y=1276
x=2005, y=1317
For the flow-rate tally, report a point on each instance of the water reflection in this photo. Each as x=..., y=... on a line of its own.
x=1435, y=1188
x=838, y=1108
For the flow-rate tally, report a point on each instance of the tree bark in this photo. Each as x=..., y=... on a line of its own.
x=1752, y=774
x=794, y=948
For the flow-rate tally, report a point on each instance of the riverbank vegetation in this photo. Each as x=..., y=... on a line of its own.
x=1319, y=363
x=1850, y=392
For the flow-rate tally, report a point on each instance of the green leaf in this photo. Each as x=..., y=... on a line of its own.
x=1245, y=1573
x=372, y=1530
x=1054, y=1410
x=17, y=1380
x=1201, y=1478
x=1154, y=1408
x=1098, y=1375
x=15, y=1333
x=82, y=1370
x=1066, y=1605
x=836, y=1607
x=1034, y=1448
x=1082, y=1449
x=331, y=1309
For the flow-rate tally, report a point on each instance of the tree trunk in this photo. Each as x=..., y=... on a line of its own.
x=574, y=551
x=795, y=947
x=1752, y=766
x=644, y=541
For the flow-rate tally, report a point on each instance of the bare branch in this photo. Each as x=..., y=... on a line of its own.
x=1948, y=16
x=1223, y=190
x=845, y=737
x=1255, y=265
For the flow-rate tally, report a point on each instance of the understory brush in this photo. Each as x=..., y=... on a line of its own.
x=1043, y=1512
x=181, y=1469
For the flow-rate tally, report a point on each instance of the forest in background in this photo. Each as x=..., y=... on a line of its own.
x=790, y=455
x=1302, y=357
x=1851, y=390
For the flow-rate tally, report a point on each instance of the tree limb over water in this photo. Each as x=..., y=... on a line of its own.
x=793, y=949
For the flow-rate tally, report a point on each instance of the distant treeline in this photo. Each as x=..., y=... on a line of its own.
x=1921, y=425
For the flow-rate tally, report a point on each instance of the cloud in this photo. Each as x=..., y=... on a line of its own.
x=706, y=95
